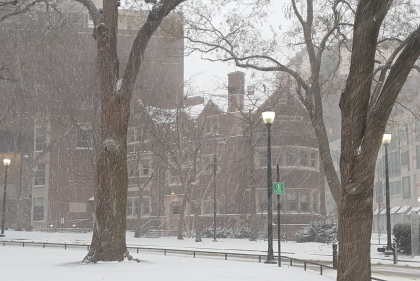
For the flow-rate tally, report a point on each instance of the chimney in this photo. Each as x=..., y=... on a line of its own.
x=236, y=91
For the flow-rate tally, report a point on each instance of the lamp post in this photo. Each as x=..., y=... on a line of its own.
x=385, y=141
x=268, y=118
x=220, y=143
x=6, y=163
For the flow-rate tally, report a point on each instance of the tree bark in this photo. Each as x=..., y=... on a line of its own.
x=181, y=220
x=354, y=231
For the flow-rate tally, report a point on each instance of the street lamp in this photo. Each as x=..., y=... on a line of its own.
x=385, y=141
x=268, y=118
x=6, y=163
x=220, y=143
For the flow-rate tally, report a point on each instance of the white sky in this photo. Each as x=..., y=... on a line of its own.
x=208, y=75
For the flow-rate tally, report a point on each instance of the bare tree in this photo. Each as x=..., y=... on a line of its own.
x=354, y=25
x=108, y=242
x=12, y=8
x=180, y=139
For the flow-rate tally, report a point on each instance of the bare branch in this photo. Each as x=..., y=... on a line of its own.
x=18, y=8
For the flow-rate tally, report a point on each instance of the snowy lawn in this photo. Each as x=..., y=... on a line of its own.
x=305, y=251
x=36, y=263
x=29, y=262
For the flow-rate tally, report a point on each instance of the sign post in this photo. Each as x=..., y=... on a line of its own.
x=278, y=188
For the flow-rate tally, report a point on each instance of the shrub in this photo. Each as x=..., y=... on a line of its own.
x=224, y=232
x=402, y=237
x=323, y=231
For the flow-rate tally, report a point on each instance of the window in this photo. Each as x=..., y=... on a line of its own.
x=145, y=170
x=40, y=174
x=38, y=209
x=395, y=187
x=263, y=159
x=394, y=163
x=303, y=158
x=130, y=207
x=291, y=158
x=41, y=139
x=145, y=206
x=208, y=207
x=405, y=159
x=404, y=135
x=314, y=158
x=176, y=209
x=315, y=203
x=171, y=178
x=84, y=137
x=417, y=130
x=304, y=203
x=292, y=201
x=418, y=156
x=406, y=188
x=133, y=171
x=144, y=136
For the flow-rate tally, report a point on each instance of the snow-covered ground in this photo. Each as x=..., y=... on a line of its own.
x=36, y=263
x=305, y=251
x=49, y=263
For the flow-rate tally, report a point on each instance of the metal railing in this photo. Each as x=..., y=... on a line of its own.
x=195, y=253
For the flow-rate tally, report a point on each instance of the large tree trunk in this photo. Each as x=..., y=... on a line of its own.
x=108, y=242
x=359, y=147
x=354, y=231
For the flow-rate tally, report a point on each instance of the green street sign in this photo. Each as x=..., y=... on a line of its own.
x=279, y=188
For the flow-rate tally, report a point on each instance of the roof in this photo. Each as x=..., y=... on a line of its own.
x=392, y=211
x=395, y=209
x=415, y=209
x=195, y=110
x=404, y=209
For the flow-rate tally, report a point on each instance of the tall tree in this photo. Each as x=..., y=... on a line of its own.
x=322, y=25
x=108, y=241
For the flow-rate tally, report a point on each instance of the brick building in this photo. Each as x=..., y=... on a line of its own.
x=234, y=139
x=57, y=102
x=59, y=121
